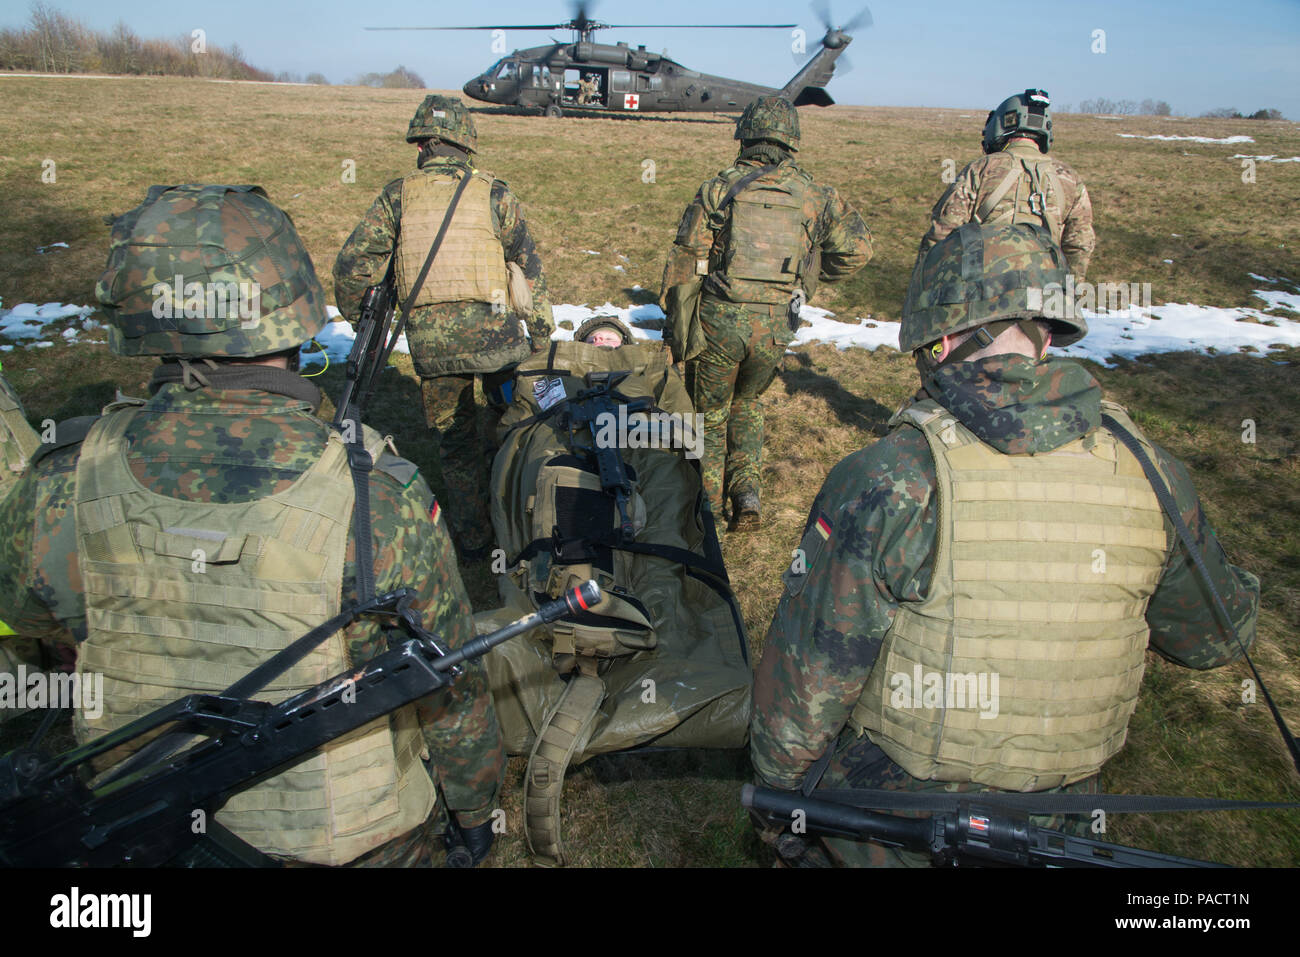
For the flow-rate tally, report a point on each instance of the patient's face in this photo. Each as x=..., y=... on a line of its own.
x=605, y=337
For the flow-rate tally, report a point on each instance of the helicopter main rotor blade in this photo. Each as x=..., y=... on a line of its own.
x=500, y=26
x=700, y=26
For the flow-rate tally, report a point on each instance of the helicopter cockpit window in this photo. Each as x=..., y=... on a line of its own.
x=503, y=69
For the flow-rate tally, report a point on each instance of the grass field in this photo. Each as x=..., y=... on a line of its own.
x=582, y=180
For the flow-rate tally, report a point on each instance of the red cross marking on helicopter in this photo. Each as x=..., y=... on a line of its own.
x=631, y=101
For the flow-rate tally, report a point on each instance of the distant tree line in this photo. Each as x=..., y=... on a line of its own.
x=1231, y=113
x=1147, y=107
x=54, y=43
x=399, y=79
x=284, y=76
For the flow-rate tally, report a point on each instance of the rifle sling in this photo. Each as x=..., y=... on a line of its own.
x=744, y=181
x=424, y=270
x=1170, y=506
x=359, y=461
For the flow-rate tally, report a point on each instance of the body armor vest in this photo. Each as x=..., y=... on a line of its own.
x=1021, y=667
x=767, y=241
x=470, y=266
x=1036, y=196
x=17, y=439
x=185, y=597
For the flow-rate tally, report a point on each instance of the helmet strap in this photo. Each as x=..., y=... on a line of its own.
x=436, y=147
x=940, y=353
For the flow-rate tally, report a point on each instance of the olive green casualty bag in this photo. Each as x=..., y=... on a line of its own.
x=662, y=660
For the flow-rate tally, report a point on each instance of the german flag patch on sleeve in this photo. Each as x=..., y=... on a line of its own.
x=803, y=558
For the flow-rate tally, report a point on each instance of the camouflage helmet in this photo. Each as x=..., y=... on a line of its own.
x=446, y=119
x=1025, y=114
x=604, y=322
x=770, y=118
x=202, y=270
x=981, y=273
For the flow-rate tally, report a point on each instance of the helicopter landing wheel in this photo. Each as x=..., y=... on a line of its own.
x=553, y=111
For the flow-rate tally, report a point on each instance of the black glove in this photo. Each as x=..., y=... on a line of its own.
x=467, y=848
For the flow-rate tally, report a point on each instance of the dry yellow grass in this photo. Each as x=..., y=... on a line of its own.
x=582, y=182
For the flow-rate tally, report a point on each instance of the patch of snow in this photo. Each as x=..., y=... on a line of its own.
x=28, y=320
x=1183, y=327
x=631, y=315
x=865, y=333
x=1194, y=139
x=42, y=249
x=1279, y=300
x=592, y=252
x=620, y=268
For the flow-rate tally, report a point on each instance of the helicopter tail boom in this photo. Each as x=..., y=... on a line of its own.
x=808, y=86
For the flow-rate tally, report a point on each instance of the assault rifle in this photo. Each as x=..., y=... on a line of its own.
x=983, y=828
x=144, y=813
x=585, y=410
x=369, y=354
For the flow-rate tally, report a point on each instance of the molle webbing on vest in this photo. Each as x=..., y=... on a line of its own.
x=186, y=597
x=471, y=265
x=1043, y=568
x=1039, y=198
x=766, y=239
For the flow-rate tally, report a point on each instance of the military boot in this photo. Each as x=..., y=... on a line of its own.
x=744, y=509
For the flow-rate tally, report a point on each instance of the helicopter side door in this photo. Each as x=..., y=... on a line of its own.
x=538, y=86
x=622, y=94
x=650, y=92
x=575, y=95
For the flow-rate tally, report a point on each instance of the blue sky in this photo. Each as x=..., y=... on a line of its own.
x=1195, y=54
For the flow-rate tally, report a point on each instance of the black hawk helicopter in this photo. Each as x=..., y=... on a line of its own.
x=618, y=78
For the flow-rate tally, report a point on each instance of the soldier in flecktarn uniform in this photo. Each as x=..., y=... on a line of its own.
x=174, y=544
x=761, y=234
x=482, y=308
x=1017, y=182
x=1001, y=529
